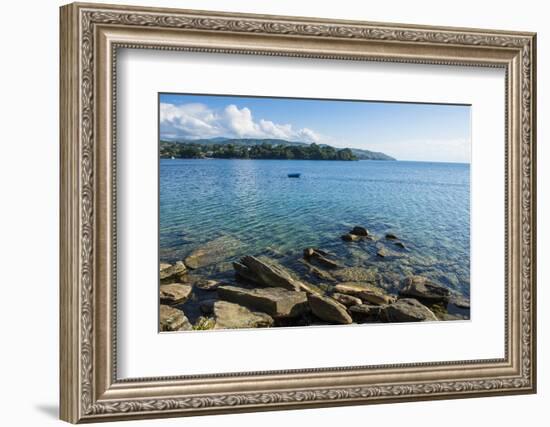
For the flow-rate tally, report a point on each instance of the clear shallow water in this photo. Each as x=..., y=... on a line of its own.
x=262, y=211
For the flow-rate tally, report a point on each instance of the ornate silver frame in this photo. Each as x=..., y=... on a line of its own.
x=90, y=36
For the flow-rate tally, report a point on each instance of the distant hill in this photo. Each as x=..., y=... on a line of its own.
x=370, y=155
x=360, y=154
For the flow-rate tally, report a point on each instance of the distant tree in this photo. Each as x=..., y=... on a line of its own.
x=191, y=150
x=345, y=154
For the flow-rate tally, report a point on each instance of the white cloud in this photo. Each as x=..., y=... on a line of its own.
x=195, y=121
x=309, y=135
x=240, y=122
x=188, y=120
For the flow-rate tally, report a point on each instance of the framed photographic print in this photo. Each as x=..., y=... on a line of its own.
x=266, y=212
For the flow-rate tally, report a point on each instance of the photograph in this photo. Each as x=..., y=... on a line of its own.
x=281, y=212
x=282, y=209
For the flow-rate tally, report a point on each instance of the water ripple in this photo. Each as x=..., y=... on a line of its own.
x=427, y=204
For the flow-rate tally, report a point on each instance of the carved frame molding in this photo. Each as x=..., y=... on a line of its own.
x=90, y=37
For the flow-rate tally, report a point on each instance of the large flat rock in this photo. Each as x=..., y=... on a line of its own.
x=172, y=319
x=365, y=292
x=407, y=310
x=347, y=300
x=174, y=293
x=328, y=309
x=277, y=302
x=320, y=257
x=267, y=272
x=228, y=315
x=172, y=272
x=422, y=288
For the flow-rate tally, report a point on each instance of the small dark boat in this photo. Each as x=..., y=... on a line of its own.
x=294, y=175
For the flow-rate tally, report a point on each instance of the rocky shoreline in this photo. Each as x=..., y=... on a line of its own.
x=264, y=293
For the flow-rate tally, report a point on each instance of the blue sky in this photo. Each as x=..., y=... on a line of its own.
x=425, y=132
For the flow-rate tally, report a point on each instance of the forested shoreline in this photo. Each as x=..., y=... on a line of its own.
x=261, y=151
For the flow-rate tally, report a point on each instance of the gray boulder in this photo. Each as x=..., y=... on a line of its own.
x=347, y=300
x=243, y=272
x=234, y=316
x=359, y=231
x=174, y=293
x=365, y=292
x=267, y=273
x=365, y=313
x=350, y=237
x=328, y=309
x=319, y=256
x=407, y=310
x=422, y=288
x=172, y=319
x=276, y=302
x=170, y=272
x=164, y=266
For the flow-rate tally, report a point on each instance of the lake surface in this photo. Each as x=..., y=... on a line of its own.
x=263, y=212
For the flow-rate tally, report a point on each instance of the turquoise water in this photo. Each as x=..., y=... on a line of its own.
x=255, y=204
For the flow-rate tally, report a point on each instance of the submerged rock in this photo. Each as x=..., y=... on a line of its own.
x=460, y=302
x=171, y=272
x=320, y=274
x=359, y=231
x=422, y=288
x=311, y=251
x=350, y=237
x=268, y=273
x=213, y=252
x=407, y=310
x=382, y=252
x=319, y=256
x=276, y=302
x=326, y=308
x=172, y=319
x=390, y=281
x=391, y=236
x=164, y=266
x=174, y=293
x=451, y=317
x=365, y=292
x=207, y=285
x=347, y=300
x=356, y=274
x=234, y=316
x=400, y=245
